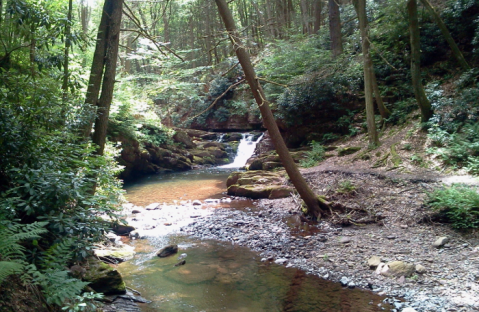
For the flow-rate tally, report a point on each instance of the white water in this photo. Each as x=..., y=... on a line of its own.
x=245, y=151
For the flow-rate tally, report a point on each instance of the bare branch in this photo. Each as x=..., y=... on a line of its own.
x=218, y=98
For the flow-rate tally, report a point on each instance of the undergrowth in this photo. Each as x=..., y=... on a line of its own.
x=314, y=156
x=458, y=204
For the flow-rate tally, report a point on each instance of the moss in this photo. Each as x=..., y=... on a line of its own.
x=348, y=150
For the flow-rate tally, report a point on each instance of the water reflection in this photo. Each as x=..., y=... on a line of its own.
x=222, y=277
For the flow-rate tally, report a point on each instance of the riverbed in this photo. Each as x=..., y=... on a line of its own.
x=219, y=275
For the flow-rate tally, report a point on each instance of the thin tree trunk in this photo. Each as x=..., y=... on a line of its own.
x=335, y=28
x=383, y=110
x=67, y=52
x=360, y=6
x=302, y=187
x=422, y=101
x=111, y=57
x=447, y=35
x=318, y=8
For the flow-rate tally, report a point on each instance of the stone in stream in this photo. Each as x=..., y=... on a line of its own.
x=121, y=229
x=152, y=206
x=373, y=262
x=167, y=251
x=441, y=241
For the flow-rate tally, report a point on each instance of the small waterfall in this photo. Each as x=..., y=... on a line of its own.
x=245, y=151
x=220, y=138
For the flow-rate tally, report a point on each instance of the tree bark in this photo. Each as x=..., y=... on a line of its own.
x=111, y=57
x=96, y=73
x=318, y=8
x=66, y=54
x=335, y=28
x=422, y=101
x=360, y=6
x=447, y=35
x=300, y=184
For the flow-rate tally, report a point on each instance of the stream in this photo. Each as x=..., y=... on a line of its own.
x=217, y=276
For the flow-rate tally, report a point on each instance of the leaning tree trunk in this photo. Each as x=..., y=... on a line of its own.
x=360, y=6
x=422, y=101
x=310, y=199
x=447, y=35
x=383, y=110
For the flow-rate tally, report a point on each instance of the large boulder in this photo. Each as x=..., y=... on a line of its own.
x=183, y=138
x=103, y=278
x=258, y=184
x=120, y=253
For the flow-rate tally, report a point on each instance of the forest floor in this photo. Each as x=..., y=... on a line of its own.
x=382, y=195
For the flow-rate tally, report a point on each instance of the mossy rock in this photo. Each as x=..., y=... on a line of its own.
x=120, y=254
x=233, y=178
x=250, y=191
x=104, y=278
x=183, y=138
x=198, y=160
x=270, y=165
x=348, y=150
x=280, y=192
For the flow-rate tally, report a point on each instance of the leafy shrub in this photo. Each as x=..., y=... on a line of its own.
x=314, y=156
x=458, y=204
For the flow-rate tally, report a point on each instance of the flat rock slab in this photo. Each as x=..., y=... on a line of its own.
x=121, y=304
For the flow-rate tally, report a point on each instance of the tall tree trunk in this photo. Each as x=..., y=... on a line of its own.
x=335, y=28
x=208, y=36
x=1, y=12
x=447, y=35
x=302, y=187
x=96, y=73
x=66, y=54
x=422, y=101
x=304, y=16
x=318, y=8
x=111, y=57
x=360, y=6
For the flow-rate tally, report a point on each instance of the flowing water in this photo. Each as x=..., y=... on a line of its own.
x=218, y=276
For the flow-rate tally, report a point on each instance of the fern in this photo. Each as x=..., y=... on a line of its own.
x=57, y=286
x=54, y=257
x=10, y=249
x=8, y=268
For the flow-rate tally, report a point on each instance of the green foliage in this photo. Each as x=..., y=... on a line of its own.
x=401, y=110
x=454, y=129
x=83, y=303
x=458, y=204
x=11, y=251
x=346, y=187
x=314, y=156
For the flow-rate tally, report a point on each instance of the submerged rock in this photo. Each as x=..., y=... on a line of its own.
x=167, y=251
